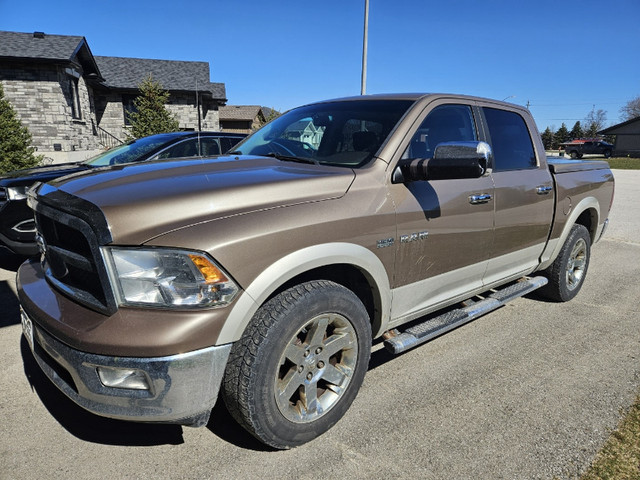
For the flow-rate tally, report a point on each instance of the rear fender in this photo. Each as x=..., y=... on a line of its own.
x=555, y=245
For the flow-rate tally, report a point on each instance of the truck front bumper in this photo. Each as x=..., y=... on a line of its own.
x=178, y=389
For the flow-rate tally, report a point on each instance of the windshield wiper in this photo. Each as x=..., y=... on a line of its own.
x=291, y=158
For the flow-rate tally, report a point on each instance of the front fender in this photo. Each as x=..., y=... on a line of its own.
x=299, y=262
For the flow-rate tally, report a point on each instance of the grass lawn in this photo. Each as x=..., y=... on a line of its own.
x=624, y=163
x=619, y=459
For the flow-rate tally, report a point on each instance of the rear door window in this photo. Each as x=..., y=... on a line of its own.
x=510, y=140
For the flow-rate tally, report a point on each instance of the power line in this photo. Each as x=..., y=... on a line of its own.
x=575, y=104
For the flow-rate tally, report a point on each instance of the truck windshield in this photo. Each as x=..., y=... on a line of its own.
x=344, y=133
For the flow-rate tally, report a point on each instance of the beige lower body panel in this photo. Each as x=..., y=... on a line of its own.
x=426, y=296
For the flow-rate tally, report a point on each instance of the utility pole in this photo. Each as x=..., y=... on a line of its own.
x=363, y=84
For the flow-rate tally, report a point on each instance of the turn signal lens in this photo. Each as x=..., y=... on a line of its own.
x=209, y=271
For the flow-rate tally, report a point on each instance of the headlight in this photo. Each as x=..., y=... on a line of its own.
x=17, y=193
x=164, y=277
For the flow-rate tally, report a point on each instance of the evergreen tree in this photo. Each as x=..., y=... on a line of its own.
x=547, y=139
x=151, y=115
x=562, y=135
x=16, y=151
x=576, y=131
x=269, y=114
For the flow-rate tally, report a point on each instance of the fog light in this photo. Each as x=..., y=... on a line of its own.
x=123, y=378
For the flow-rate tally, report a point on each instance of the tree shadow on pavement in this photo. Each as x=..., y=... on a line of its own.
x=87, y=426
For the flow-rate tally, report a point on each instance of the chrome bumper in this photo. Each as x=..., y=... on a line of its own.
x=179, y=388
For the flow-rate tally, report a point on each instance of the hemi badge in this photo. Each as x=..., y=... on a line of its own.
x=387, y=242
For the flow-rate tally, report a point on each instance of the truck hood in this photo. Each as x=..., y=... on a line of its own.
x=143, y=201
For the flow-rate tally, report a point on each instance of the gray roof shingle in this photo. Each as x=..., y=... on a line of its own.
x=128, y=73
x=239, y=112
x=50, y=47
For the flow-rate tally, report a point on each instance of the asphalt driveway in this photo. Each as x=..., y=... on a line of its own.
x=530, y=391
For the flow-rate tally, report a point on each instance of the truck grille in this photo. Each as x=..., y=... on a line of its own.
x=3, y=196
x=71, y=254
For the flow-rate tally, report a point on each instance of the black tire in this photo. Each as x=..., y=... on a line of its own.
x=311, y=343
x=567, y=273
x=607, y=153
x=574, y=154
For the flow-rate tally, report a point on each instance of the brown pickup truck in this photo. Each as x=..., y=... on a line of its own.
x=264, y=275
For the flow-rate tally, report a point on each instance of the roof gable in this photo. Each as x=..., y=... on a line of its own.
x=31, y=45
x=48, y=48
x=629, y=127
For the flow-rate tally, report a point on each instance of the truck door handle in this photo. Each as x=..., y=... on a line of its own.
x=480, y=198
x=543, y=190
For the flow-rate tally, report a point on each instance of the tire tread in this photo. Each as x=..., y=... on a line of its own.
x=239, y=391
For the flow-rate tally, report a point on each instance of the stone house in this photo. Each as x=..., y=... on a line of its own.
x=241, y=118
x=305, y=131
x=627, y=140
x=74, y=103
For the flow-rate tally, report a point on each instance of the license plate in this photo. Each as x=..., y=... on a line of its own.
x=27, y=328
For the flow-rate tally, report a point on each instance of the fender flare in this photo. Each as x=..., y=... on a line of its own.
x=553, y=248
x=296, y=263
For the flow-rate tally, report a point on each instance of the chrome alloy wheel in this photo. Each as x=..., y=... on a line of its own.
x=316, y=368
x=576, y=264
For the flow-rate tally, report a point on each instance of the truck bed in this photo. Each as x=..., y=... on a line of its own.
x=562, y=165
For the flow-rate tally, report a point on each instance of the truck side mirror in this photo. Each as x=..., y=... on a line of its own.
x=451, y=160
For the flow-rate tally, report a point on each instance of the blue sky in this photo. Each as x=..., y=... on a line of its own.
x=563, y=57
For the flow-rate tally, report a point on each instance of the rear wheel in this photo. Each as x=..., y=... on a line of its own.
x=567, y=273
x=607, y=153
x=300, y=364
x=574, y=154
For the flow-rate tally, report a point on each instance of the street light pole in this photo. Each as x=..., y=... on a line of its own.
x=363, y=84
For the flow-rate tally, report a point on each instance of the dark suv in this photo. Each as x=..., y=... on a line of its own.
x=578, y=148
x=17, y=228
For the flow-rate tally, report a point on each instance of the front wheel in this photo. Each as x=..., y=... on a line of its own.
x=607, y=153
x=567, y=273
x=300, y=363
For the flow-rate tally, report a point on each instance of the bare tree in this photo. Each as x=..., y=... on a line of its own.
x=630, y=110
x=594, y=122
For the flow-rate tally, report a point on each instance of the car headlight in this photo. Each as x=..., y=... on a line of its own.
x=17, y=193
x=164, y=277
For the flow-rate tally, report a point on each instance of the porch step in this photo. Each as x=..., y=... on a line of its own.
x=436, y=326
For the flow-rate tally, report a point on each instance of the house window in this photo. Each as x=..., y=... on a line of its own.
x=128, y=107
x=76, y=114
x=74, y=78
